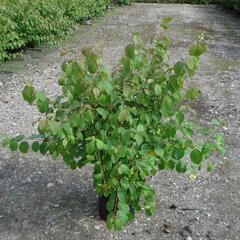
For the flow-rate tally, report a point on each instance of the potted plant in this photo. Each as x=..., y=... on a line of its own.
x=128, y=125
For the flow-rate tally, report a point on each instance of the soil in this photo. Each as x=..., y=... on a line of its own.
x=42, y=199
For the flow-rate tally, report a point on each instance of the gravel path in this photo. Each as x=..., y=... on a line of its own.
x=42, y=199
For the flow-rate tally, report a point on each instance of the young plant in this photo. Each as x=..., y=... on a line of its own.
x=128, y=125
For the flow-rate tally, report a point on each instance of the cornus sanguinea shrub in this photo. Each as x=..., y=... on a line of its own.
x=129, y=124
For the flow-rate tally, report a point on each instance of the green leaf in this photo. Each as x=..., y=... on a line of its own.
x=123, y=169
x=171, y=164
x=192, y=66
x=166, y=20
x=158, y=90
x=35, y=146
x=118, y=224
x=42, y=106
x=73, y=165
x=161, y=164
x=207, y=148
x=13, y=144
x=196, y=156
x=122, y=116
x=187, y=131
x=219, y=139
x=221, y=150
x=126, y=65
x=79, y=135
x=210, y=167
x=65, y=142
x=42, y=125
x=137, y=40
x=90, y=60
x=92, y=65
x=167, y=106
x=123, y=207
x=140, y=129
x=216, y=123
x=88, y=115
x=147, y=209
x=127, y=91
x=90, y=147
x=130, y=51
x=109, y=223
x=55, y=127
x=123, y=216
x=110, y=205
x=96, y=92
x=160, y=150
x=170, y=132
x=61, y=81
x=106, y=86
x=43, y=148
x=68, y=130
x=179, y=68
x=148, y=195
x=122, y=196
x=164, y=23
x=113, y=182
x=64, y=65
x=205, y=131
x=19, y=137
x=197, y=49
x=23, y=147
x=102, y=112
x=139, y=139
x=180, y=117
x=29, y=94
x=100, y=144
x=192, y=63
x=181, y=167
x=124, y=183
x=5, y=141
x=192, y=93
x=41, y=96
x=178, y=153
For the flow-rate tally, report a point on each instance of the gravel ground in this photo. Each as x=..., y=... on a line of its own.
x=42, y=199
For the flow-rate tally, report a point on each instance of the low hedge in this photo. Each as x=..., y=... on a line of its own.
x=178, y=1
x=235, y=4
x=34, y=22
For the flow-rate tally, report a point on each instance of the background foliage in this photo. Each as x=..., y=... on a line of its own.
x=34, y=22
x=232, y=3
x=235, y=4
x=179, y=1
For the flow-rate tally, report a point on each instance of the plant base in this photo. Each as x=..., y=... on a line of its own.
x=102, y=207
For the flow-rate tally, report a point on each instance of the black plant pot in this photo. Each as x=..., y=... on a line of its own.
x=102, y=207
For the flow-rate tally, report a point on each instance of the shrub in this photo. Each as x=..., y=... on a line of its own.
x=179, y=1
x=235, y=4
x=9, y=38
x=128, y=125
x=125, y=2
x=27, y=22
